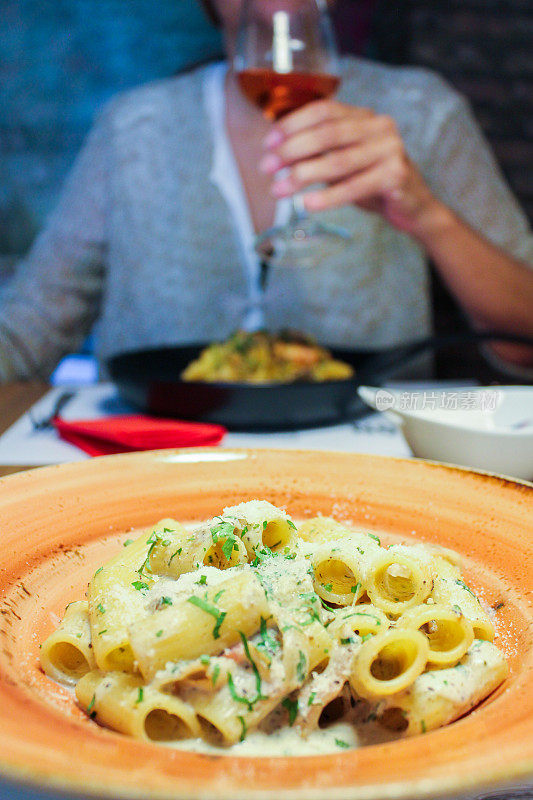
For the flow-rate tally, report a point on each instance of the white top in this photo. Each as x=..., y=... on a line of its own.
x=226, y=177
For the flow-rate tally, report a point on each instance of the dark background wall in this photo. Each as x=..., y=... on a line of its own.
x=61, y=59
x=485, y=49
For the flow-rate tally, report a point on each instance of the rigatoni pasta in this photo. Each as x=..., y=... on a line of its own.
x=248, y=626
x=68, y=653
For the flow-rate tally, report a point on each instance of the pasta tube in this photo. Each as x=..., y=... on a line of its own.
x=213, y=544
x=121, y=702
x=324, y=688
x=303, y=650
x=400, y=578
x=261, y=523
x=440, y=696
x=199, y=625
x=67, y=654
x=116, y=601
x=325, y=530
x=225, y=720
x=362, y=619
x=337, y=573
x=450, y=589
x=449, y=633
x=389, y=662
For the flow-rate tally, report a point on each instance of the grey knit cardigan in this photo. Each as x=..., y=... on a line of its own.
x=143, y=242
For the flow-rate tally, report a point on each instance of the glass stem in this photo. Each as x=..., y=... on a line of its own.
x=299, y=212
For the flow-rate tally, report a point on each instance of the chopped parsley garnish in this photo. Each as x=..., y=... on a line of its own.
x=329, y=608
x=349, y=640
x=91, y=704
x=127, y=542
x=216, y=673
x=373, y=536
x=177, y=553
x=215, y=612
x=463, y=585
x=98, y=570
x=204, y=659
x=140, y=585
x=423, y=726
x=362, y=614
x=328, y=587
x=100, y=608
x=341, y=743
x=152, y=541
x=101, y=633
x=292, y=708
x=218, y=595
x=202, y=581
x=243, y=728
x=159, y=633
x=291, y=524
x=262, y=552
x=366, y=637
x=311, y=699
x=254, y=666
x=165, y=601
x=140, y=695
x=301, y=666
x=237, y=697
x=225, y=530
x=229, y=545
x=355, y=589
x=268, y=644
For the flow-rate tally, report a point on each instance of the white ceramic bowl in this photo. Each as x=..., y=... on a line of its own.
x=488, y=428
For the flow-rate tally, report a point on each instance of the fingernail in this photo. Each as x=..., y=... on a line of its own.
x=270, y=163
x=273, y=138
x=282, y=188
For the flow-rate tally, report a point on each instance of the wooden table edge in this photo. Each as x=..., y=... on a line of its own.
x=15, y=400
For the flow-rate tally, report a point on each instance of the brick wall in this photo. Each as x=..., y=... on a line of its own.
x=485, y=49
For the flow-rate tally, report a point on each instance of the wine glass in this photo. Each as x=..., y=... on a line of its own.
x=285, y=57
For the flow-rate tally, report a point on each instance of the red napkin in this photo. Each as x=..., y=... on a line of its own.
x=102, y=437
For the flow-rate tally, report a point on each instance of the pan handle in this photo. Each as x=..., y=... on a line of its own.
x=400, y=356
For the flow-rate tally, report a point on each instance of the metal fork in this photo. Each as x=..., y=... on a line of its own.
x=46, y=422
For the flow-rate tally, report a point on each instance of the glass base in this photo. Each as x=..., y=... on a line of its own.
x=306, y=242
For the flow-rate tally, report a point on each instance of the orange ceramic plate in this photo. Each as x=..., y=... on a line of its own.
x=59, y=523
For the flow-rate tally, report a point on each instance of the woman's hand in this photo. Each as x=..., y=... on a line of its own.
x=361, y=158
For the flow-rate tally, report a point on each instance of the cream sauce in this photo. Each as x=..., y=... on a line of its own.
x=286, y=741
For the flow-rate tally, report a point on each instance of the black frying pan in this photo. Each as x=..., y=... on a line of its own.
x=150, y=380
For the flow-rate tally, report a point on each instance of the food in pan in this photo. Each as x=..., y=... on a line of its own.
x=263, y=357
x=247, y=628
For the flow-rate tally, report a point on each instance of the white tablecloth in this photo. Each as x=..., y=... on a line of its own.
x=20, y=444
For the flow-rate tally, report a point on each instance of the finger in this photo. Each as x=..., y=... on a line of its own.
x=362, y=187
x=330, y=135
x=310, y=115
x=336, y=165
